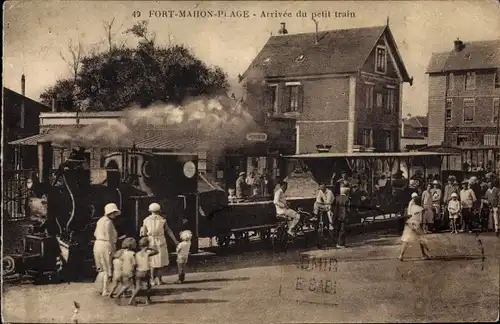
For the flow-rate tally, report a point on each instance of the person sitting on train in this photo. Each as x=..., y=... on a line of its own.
x=255, y=194
x=324, y=201
x=232, y=196
x=282, y=208
x=241, y=185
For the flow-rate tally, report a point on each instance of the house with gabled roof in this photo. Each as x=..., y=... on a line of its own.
x=464, y=100
x=414, y=131
x=464, y=94
x=338, y=88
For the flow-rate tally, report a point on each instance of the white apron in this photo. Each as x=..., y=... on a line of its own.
x=154, y=228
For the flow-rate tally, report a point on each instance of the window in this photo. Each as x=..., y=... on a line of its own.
x=134, y=165
x=380, y=59
x=380, y=100
x=470, y=81
x=388, y=141
x=462, y=140
x=496, y=109
x=497, y=79
x=469, y=107
x=274, y=98
x=449, y=108
x=451, y=81
x=367, y=138
x=489, y=139
x=293, y=98
x=369, y=97
x=202, y=162
x=389, y=105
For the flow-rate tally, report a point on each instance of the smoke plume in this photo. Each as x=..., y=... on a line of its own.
x=215, y=123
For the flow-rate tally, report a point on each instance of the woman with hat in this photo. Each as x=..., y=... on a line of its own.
x=437, y=194
x=412, y=231
x=154, y=227
x=105, y=245
x=427, y=204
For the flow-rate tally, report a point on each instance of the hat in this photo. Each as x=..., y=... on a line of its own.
x=435, y=182
x=454, y=195
x=241, y=174
x=465, y=181
x=111, y=208
x=154, y=207
x=414, y=195
x=452, y=177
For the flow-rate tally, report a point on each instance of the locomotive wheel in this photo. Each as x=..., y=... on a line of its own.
x=223, y=241
x=265, y=235
x=8, y=265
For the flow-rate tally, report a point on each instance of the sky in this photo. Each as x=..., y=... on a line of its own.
x=35, y=33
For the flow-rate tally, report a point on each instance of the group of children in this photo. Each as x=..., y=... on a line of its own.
x=132, y=270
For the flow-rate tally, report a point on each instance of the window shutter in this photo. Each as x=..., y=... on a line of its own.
x=284, y=100
x=301, y=99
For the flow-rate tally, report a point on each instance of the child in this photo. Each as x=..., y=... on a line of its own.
x=183, y=253
x=453, y=210
x=128, y=264
x=117, y=270
x=232, y=197
x=143, y=271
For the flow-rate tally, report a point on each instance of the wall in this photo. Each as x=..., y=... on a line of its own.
x=412, y=141
x=436, y=108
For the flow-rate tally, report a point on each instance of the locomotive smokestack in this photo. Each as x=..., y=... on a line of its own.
x=45, y=156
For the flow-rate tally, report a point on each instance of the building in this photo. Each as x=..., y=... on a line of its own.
x=20, y=119
x=464, y=97
x=414, y=132
x=339, y=88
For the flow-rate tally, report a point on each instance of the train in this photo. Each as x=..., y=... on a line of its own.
x=59, y=243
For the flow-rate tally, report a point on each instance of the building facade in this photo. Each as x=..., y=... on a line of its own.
x=464, y=95
x=341, y=88
x=414, y=132
x=21, y=119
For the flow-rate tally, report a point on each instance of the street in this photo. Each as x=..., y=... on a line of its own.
x=362, y=283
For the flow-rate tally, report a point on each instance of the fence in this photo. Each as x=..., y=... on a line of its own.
x=14, y=193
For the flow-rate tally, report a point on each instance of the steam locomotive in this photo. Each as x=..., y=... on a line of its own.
x=60, y=242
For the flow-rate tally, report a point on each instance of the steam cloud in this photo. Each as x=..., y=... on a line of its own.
x=214, y=123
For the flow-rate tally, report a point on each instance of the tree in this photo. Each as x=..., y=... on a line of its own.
x=148, y=73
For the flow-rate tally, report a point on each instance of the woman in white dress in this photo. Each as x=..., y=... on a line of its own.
x=154, y=227
x=412, y=231
x=105, y=245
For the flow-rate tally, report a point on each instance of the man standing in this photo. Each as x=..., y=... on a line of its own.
x=241, y=186
x=492, y=195
x=467, y=198
x=324, y=201
x=282, y=208
x=342, y=182
x=341, y=212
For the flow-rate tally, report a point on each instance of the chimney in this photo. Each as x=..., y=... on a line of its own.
x=23, y=85
x=317, y=36
x=23, y=92
x=283, y=30
x=459, y=45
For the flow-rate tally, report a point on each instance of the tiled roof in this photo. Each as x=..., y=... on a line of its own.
x=474, y=55
x=338, y=51
x=8, y=92
x=410, y=132
x=31, y=140
x=417, y=121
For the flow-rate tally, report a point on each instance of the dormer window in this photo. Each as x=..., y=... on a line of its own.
x=470, y=81
x=300, y=58
x=381, y=59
